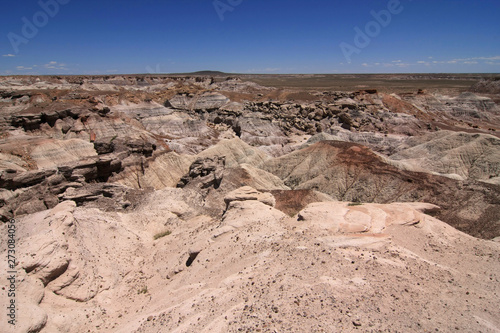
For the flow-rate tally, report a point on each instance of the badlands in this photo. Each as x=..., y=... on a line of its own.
x=251, y=203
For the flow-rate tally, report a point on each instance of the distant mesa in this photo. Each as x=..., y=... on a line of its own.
x=203, y=73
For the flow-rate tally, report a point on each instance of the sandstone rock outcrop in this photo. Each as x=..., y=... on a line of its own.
x=339, y=217
x=254, y=263
x=351, y=172
x=206, y=172
x=246, y=193
x=470, y=156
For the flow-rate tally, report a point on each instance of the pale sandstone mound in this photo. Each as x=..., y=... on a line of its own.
x=236, y=152
x=255, y=269
x=300, y=279
x=181, y=131
x=258, y=130
x=466, y=110
x=30, y=292
x=475, y=156
x=65, y=256
x=163, y=171
x=179, y=125
x=248, y=208
x=263, y=180
x=70, y=257
x=351, y=172
x=11, y=162
x=385, y=144
x=341, y=217
x=167, y=169
x=53, y=153
x=147, y=113
x=214, y=181
x=32, y=152
x=344, y=170
x=247, y=193
x=109, y=127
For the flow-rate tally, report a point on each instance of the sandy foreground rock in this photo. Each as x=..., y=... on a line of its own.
x=333, y=267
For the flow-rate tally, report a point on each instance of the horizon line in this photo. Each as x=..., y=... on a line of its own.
x=215, y=73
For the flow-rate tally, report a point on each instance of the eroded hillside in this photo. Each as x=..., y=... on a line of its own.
x=274, y=209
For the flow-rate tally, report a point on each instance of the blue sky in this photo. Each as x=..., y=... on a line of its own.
x=250, y=36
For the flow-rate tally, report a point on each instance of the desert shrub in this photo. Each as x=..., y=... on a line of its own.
x=162, y=234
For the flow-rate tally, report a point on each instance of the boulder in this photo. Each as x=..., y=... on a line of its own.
x=247, y=193
x=13, y=181
x=207, y=172
x=104, y=146
x=31, y=207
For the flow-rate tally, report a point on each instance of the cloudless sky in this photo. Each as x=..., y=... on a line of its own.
x=249, y=36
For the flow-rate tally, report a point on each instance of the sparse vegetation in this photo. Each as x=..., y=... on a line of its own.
x=355, y=204
x=162, y=234
x=143, y=290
